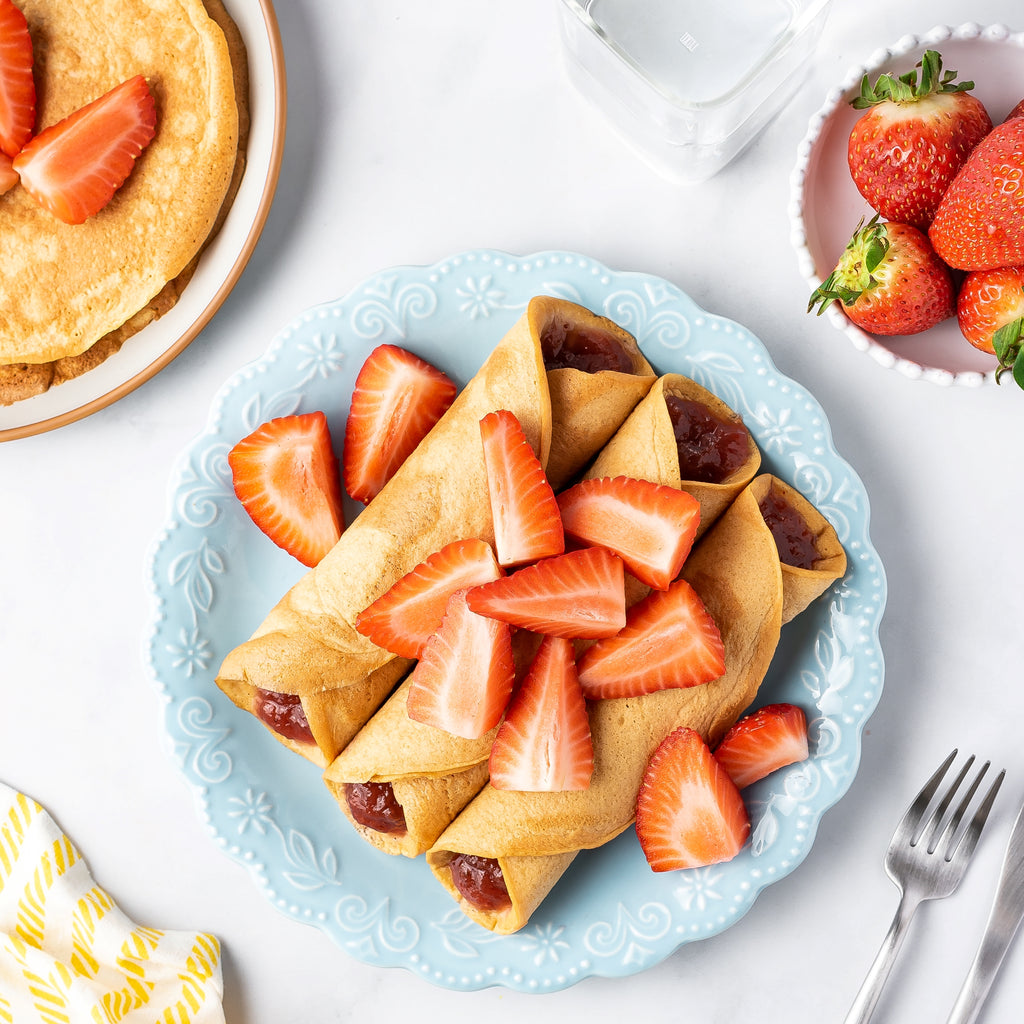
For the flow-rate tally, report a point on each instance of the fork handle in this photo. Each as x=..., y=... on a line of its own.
x=867, y=997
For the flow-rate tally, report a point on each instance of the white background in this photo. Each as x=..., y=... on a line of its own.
x=416, y=131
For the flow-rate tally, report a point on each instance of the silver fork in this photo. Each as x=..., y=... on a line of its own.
x=926, y=859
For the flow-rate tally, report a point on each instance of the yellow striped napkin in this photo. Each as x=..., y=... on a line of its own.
x=68, y=955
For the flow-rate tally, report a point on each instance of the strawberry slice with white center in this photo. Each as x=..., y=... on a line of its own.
x=17, y=86
x=463, y=681
x=669, y=640
x=397, y=398
x=286, y=476
x=74, y=167
x=527, y=524
x=651, y=527
x=544, y=744
x=762, y=742
x=578, y=595
x=689, y=813
x=403, y=618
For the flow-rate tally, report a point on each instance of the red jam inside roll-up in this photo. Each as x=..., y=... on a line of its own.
x=479, y=880
x=373, y=805
x=283, y=713
x=565, y=346
x=794, y=540
x=710, y=449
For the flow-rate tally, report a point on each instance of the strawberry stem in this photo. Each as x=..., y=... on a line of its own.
x=1008, y=343
x=907, y=88
x=854, y=274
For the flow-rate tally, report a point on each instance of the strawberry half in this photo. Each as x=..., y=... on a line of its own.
x=689, y=813
x=669, y=640
x=17, y=86
x=762, y=742
x=578, y=595
x=912, y=139
x=889, y=281
x=979, y=224
x=8, y=175
x=74, y=167
x=527, y=525
x=463, y=681
x=990, y=311
x=544, y=744
x=403, y=619
x=286, y=476
x=397, y=398
x=651, y=527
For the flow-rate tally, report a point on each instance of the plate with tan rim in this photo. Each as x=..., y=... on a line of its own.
x=213, y=576
x=219, y=267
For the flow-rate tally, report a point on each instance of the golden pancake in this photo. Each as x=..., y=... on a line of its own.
x=70, y=295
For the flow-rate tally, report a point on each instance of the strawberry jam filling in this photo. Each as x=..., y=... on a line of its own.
x=566, y=346
x=283, y=713
x=710, y=449
x=480, y=882
x=794, y=540
x=373, y=805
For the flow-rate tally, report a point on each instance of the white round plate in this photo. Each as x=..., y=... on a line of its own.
x=220, y=266
x=214, y=576
x=826, y=206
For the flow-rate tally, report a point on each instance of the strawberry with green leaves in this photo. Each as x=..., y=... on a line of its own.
x=889, y=281
x=914, y=136
x=990, y=311
x=979, y=224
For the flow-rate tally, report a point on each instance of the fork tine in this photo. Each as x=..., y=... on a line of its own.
x=915, y=813
x=967, y=842
x=934, y=823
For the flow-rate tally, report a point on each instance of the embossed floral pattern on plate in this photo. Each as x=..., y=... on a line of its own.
x=214, y=576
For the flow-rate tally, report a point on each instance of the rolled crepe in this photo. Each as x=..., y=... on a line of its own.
x=646, y=444
x=433, y=774
x=308, y=645
x=534, y=836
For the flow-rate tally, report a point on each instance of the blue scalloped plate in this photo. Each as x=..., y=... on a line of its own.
x=214, y=576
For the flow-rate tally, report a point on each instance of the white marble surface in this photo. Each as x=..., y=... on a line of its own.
x=416, y=131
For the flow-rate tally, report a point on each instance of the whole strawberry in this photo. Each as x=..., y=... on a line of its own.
x=990, y=311
x=889, y=281
x=913, y=138
x=1018, y=111
x=979, y=224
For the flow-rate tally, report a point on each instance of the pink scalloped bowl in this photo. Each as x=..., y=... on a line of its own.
x=825, y=205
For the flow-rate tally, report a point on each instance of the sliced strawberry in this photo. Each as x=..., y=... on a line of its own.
x=761, y=742
x=527, y=525
x=544, y=744
x=402, y=619
x=651, y=527
x=74, y=167
x=398, y=397
x=689, y=813
x=578, y=595
x=8, y=175
x=17, y=86
x=669, y=641
x=286, y=475
x=463, y=681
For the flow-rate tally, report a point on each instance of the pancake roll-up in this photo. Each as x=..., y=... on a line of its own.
x=507, y=849
x=306, y=672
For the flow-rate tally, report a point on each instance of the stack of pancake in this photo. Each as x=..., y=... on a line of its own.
x=71, y=295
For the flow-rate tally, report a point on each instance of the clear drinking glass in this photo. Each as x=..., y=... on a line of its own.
x=689, y=83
